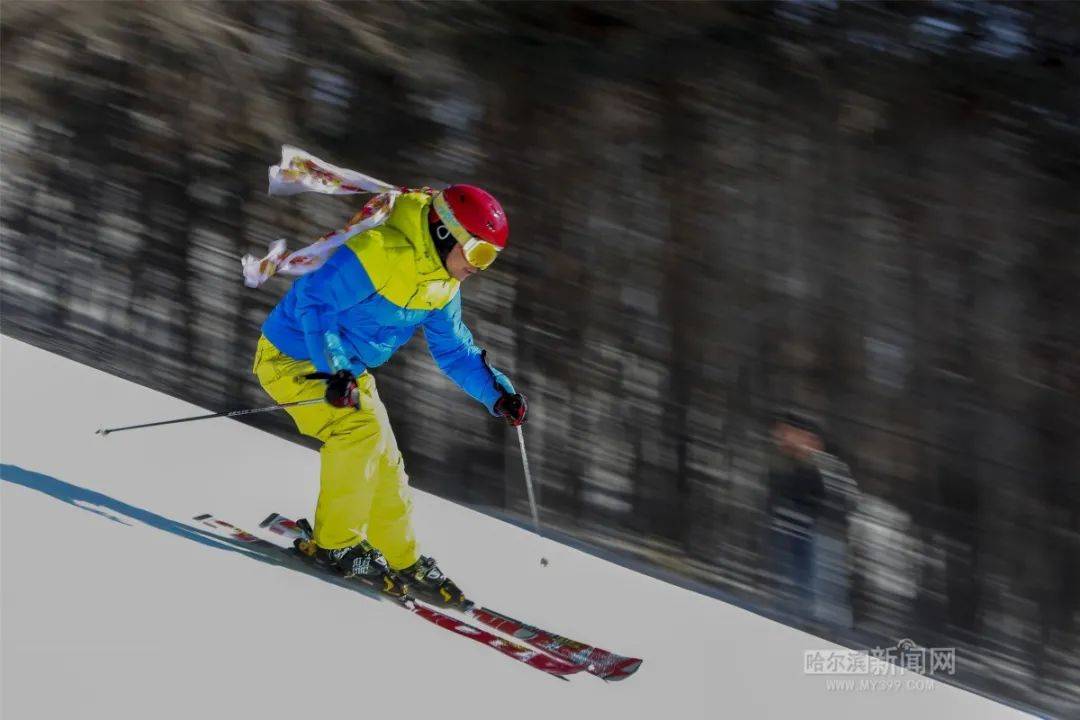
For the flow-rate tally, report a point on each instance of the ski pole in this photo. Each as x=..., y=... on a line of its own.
x=228, y=413
x=529, y=488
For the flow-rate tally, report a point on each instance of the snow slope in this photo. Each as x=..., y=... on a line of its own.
x=113, y=608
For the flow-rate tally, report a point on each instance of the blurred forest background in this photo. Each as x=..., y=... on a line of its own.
x=866, y=212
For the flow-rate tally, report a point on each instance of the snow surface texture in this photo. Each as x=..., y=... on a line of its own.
x=114, y=608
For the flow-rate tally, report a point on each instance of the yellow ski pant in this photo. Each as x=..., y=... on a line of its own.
x=363, y=489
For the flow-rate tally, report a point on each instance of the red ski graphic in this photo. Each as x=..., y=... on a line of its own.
x=596, y=661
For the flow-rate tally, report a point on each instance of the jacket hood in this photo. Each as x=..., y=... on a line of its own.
x=410, y=218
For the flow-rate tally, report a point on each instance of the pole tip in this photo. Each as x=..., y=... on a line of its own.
x=543, y=562
x=101, y=431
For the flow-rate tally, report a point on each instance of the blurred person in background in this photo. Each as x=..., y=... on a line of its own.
x=810, y=496
x=832, y=539
x=351, y=315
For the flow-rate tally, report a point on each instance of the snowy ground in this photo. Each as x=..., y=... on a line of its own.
x=112, y=607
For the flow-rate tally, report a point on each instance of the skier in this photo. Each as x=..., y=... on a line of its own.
x=351, y=315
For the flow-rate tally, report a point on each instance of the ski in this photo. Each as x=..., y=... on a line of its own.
x=595, y=661
x=551, y=665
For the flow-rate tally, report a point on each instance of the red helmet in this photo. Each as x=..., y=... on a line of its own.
x=467, y=211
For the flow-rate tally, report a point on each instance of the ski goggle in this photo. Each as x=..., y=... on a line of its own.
x=479, y=253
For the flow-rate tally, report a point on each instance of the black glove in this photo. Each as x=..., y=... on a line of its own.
x=513, y=408
x=341, y=390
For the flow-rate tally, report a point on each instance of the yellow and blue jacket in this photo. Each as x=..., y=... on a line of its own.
x=368, y=299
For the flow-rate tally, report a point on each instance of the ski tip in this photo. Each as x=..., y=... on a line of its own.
x=269, y=520
x=623, y=670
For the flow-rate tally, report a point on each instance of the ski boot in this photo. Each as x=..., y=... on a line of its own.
x=424, y=580
x=361, y=561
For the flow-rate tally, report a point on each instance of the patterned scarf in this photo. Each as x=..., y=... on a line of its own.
x=301, y=172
